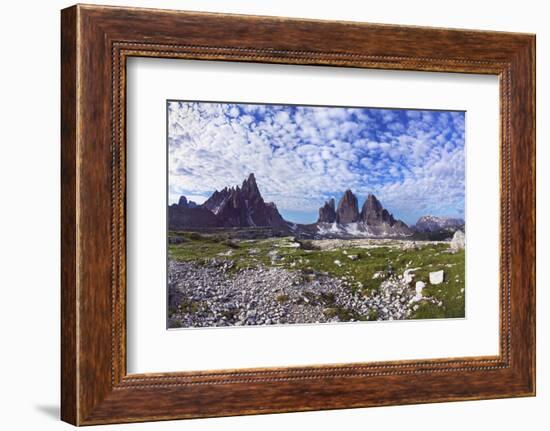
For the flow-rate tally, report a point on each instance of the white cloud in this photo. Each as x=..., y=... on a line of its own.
x=412, y=160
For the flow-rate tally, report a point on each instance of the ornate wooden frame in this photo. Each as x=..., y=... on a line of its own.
x=95, y=43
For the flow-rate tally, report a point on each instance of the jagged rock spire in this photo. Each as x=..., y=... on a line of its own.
x=182, y=201
x=327, y=213
x=373, y=213
x=348, y=211
x=244, y=206
x=250, y=188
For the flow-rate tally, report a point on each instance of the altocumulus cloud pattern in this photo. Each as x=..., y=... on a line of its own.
x=412, y=160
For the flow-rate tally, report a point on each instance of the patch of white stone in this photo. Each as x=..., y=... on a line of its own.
x=437, y=277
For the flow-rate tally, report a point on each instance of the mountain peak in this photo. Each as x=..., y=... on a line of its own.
x=244, y=206
x=373, y=213
x=250, y=180
x=348, y=210
x=327, y=213
x=373, y=202
x=250, y=188
x=183, y=202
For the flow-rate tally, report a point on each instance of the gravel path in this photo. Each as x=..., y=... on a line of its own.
x=213, y=295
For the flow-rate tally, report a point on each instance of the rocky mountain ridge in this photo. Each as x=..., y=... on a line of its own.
x=237, y=206
x=430, y=224
x=372, y=221
x=244, y=207
x=183, y=202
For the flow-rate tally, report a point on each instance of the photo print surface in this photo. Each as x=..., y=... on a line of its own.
x=295, y=214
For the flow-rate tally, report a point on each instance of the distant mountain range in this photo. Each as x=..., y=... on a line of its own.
x=430, y=223
x=244, y=207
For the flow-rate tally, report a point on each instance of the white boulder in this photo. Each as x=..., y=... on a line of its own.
x=459, y=240
x=418, y=287
x=409, y=245
x=408, y=276
x=437, y=277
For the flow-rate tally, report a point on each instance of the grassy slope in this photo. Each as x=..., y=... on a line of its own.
x=358, y=274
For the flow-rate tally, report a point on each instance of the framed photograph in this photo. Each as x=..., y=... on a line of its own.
x=237, y=259
x=266, y=215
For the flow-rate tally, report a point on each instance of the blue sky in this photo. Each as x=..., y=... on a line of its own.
x=412, y=160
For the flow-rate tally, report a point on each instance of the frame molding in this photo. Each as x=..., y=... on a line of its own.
x=96, y=41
